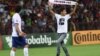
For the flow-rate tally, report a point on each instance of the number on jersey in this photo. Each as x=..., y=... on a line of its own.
x=61, y=21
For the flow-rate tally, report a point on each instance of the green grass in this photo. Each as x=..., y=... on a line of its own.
x=90, y=50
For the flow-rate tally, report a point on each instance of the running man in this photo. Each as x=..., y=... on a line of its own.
x=18, y=36
x=62, y=26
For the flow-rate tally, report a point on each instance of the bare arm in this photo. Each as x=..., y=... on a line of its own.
x=74, y=9
x=18, y=30
x=50, y=8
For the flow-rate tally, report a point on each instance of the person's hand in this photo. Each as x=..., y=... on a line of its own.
x=22, y=34
x=50, y=4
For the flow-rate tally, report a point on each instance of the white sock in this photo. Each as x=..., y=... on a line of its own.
x=25, y=51
x=12, y=53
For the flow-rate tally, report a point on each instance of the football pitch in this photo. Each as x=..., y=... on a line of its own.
x=89, y=50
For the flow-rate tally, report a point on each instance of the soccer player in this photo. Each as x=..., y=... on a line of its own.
x=18, y=36
x=62, y=27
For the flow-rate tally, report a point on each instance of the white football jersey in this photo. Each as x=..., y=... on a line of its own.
x=62, y=23
x=16, y=19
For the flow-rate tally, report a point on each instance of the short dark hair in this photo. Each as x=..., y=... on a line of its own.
x=17, y=9
x=61, y=9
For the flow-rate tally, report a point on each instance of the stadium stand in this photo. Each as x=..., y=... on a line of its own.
x=37, y=18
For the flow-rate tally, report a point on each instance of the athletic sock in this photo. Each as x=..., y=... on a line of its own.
x=25, y=51
x=12, y=53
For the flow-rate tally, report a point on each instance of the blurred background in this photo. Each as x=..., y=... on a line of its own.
x=37, y=18
x=38, y=21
